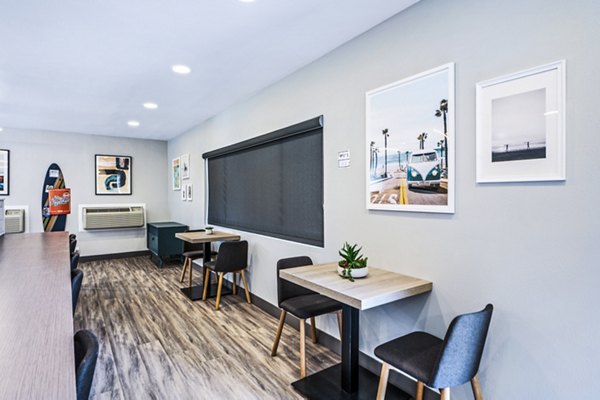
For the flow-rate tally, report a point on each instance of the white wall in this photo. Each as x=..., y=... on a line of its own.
x=32, y=152
x=530, y=249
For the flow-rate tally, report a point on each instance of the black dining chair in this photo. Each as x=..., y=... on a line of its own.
x=76, y=280
x=437, y=363
x=86, y=355
x=303, y=304
x=75, y=260
x=72, y=244
x=232, y=258
x=191, y=252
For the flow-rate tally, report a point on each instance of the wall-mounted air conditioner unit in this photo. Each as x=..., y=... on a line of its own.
x=112, y=217
x=14, y=220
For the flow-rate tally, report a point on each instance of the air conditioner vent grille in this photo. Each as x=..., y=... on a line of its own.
x=112, y=217
x=14, y=221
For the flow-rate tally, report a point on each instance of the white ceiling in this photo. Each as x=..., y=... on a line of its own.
x=88, y=65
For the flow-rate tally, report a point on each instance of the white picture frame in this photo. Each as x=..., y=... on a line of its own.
x=520, y=126
x=185, y=166
x=183, y=192
x=189, y=192
x=410, y=161
x=176, y=173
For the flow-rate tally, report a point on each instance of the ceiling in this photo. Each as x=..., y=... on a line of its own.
x=87, y=66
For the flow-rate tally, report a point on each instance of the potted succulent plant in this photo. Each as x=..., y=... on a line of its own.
x=208, y=230
x=353, y=264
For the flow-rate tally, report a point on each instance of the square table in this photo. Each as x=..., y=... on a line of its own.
x=378, y=288
x=195, y=292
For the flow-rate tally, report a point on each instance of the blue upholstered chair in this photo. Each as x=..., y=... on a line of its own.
x=75, y=260
x=86, y=355
x=438, y=363
x=302, y=303
x=233, y=257
x=76, y=280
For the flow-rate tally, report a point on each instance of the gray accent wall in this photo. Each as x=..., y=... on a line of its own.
x=32, y=152
x=528, y=248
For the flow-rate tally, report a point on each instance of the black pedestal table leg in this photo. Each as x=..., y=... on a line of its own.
x=350, y=324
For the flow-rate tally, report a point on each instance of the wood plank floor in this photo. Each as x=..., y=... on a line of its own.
x=157, y=344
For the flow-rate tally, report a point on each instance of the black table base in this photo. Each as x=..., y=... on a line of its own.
x=195, y=292
x=325, y=385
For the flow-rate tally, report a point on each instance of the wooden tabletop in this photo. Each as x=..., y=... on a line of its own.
x=202, y=237
x=378, y=288
x=36, y=325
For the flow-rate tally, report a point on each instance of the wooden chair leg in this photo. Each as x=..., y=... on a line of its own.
x=185, y=265
x=302, y=349
x=219, y=288
x=206, y=283
x=339, y=318
x=278, y=334
x=445, y=394
x=383, y=380
x=246, y=287
x=419, y=394
x=234, y=283
x=313, y=330
x=476, y=388
x=191, y=268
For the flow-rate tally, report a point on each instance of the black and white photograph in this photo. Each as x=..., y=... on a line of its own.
x=520, y=126
x=410, y=143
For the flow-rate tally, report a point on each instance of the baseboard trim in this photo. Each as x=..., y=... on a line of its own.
x=115, y=255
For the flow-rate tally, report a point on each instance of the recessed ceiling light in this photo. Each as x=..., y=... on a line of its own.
x=1, y=129
x=134, y=124
x=150, y=106
x=181, y=69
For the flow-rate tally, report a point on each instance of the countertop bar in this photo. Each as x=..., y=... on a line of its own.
x=36, y=324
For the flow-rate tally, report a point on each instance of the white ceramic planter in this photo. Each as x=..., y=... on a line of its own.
x=209, y=232
x=356, y=273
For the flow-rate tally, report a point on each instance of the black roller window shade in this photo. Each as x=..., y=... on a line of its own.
x=271, y=185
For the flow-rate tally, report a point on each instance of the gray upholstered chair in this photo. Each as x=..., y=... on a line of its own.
x=86, y=355
x=303, y=304
x=76, y=280
x=232, y=258
x=438, y=363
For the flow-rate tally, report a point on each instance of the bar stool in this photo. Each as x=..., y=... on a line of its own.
x=438, y=363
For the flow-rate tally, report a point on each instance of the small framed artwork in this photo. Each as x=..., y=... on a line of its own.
x=410, y=143
x=183, y=192
x=176, y=170
x=185, y=166
x=521, y=126
x=113, y=175
x=189, y=192
x=4, y=172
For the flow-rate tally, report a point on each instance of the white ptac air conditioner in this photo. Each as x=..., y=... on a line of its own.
x=14, y=221
x=112, y=217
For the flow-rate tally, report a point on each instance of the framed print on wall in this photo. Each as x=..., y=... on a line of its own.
x=176, y=171
x=113, y=175
x=185, y=166
x=521, y=126
x=410, y=143
x=4, y=172
x=183, y=192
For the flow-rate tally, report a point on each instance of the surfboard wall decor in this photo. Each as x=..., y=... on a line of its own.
x=54, y=180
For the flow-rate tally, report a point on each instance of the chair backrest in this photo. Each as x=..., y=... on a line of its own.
x=233, y=256
x=75, y=260
x=72, y=246
x=76, y=279
x=86, y=355
x=286, y=289
x=187, y=246
x=461, y=352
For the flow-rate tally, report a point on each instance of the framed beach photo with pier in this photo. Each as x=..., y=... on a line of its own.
x=521, y=126
x=410, y=143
